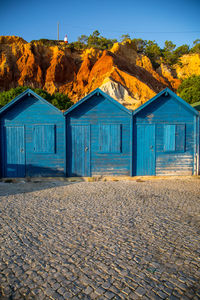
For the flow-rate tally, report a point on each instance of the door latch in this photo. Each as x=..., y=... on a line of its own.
x=86, y=149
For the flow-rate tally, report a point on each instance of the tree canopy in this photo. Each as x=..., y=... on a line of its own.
x=125, y=37
x=153, y=51
x=189, y=89
x=196, y=47
x=94, y=40
x=61, y=101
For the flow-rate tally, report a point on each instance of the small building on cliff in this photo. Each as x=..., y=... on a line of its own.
x=165, y=137
x=32, y=138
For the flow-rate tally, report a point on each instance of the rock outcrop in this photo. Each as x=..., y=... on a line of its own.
x=188, y=66
x=169, y=75
x=120, y=93
x=127, y=76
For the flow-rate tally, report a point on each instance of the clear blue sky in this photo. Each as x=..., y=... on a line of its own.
x=175, y=20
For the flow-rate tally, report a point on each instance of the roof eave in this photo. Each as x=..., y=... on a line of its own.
x=19, y=97
x=96, y=91
x=166, y=90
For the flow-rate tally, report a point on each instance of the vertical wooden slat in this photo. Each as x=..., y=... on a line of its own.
x=44, y=138
x=87, y=150
x=110, y=138
x=131, y=145
x=145, y=150
x=180, y=137
x=80, y=150
x=169, y=137
x=105, y=137
x=15, y=152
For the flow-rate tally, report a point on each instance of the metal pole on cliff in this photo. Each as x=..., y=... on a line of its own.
x=58, y=31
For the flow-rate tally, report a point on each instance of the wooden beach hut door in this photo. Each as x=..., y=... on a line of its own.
x=14, y=151
x=80, y=142
x=145, y=161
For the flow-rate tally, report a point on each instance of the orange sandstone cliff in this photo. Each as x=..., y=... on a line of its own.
x=121, y=72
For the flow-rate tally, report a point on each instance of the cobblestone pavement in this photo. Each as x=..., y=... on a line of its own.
x=100, y=240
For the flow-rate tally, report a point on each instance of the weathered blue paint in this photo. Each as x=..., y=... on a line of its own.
x=15, y=151
x=110, y=138
x=44, y=138
x=197, y=149
x=98, y=136
x=80, y=143
x=105, y=149
x=131, y=145
x=32, y=138
x=169, y=138
x=175, y=136
x=198, y=144
x=145, y=149
x=197, y=107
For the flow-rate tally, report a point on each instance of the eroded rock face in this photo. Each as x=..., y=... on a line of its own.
x=120, y=93
x=127, y=76
x=61, y=70
x=169, y=75
x=188, y=66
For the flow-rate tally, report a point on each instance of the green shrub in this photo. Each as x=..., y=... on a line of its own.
x=196, y=46
x=61, y=101
x=189, y=89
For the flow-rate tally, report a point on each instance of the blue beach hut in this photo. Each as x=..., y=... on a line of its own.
x=32, y=138
x=98, y=137
x=165, y=136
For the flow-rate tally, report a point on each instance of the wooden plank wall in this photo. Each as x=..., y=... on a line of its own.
x=97, y=111
x=168, y=111
x=198, y=145
x=1, y=146
x=28, y=113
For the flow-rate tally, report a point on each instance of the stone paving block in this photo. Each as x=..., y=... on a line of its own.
x=152, y=295
x=57, y=296
x=49, y=292
x=109, y=295
x=162, y=295
x=62, y=291
x=126, y=291
x=132, y=295
x=84, y=240
x=172, y=297
x=16, y=295
x=140, y=291
x=106, y=285
x=113, y=289
x=100, y=290
x=88, y=290
x=67, y=295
